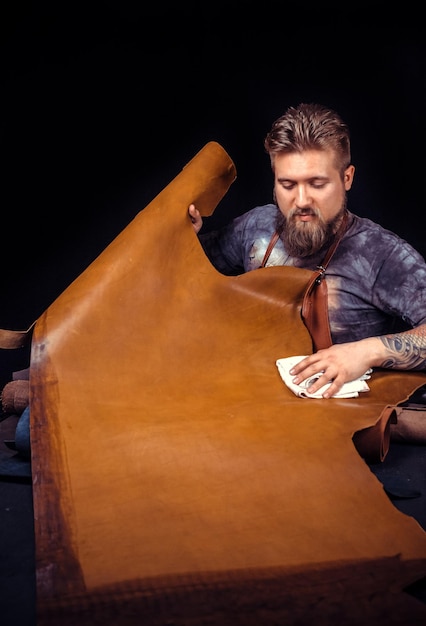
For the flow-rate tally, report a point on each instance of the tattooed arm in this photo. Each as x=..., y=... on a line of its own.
x=344, y=362
x=405, y=351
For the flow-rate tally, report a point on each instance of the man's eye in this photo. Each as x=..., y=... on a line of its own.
x=318, y=184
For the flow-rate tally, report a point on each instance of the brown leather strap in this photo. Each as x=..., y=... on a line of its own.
x=332, y=248
x=270, y=247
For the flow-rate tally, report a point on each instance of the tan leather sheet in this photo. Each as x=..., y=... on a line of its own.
x=176, y=478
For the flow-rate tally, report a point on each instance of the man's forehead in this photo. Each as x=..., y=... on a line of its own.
x=306, y=164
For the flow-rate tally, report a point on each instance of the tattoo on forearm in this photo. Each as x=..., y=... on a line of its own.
x=407, y=350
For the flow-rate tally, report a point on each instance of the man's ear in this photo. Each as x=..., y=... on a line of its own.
x=348, y=176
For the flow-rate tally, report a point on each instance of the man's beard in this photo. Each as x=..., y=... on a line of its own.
x=303, y=239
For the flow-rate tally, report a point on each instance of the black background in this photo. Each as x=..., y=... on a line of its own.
x=103, y=104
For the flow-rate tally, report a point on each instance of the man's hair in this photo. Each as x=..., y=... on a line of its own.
x=310, y=127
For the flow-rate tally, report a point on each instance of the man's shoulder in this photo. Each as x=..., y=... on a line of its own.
x=366, y=227
x=262, y=209
x=261, y=216
x=375, y=240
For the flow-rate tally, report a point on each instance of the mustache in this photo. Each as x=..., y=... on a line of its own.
x=304, y=211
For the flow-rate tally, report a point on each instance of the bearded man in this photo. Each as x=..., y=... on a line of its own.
x=376, y=281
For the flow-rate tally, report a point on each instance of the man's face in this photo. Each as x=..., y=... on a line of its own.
x=311, y=195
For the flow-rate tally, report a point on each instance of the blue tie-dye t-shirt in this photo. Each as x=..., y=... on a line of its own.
x=376, y=281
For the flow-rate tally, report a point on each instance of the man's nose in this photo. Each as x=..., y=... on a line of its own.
x=303, y=197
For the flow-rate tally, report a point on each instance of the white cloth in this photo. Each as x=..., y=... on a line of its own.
x=348, y=390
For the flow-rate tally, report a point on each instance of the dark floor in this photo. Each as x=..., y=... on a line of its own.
x=403, y=474
x=17, y=572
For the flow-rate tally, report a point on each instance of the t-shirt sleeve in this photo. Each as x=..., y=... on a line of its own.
x=400, y=287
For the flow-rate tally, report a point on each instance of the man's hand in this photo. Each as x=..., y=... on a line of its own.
x=345, y=362
x=196, y=219
x=341, y=363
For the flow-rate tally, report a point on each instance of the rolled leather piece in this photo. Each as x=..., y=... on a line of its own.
x=409, y=426
x=15, y=397
x=12, y=339
x=373, y=442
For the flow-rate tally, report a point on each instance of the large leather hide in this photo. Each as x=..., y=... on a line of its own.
x=176, y=479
